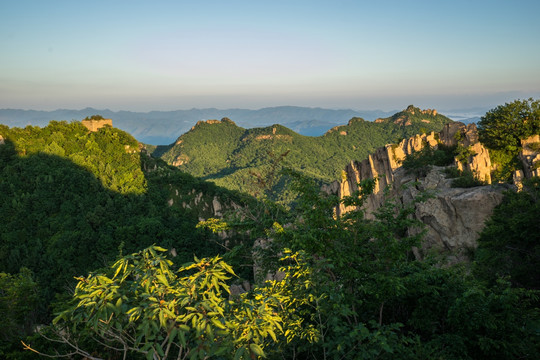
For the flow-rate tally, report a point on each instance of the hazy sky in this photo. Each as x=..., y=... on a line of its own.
x=165, y=55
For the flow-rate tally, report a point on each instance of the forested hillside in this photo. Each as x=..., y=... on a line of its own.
x=72, y=200
x=227, y=154
x=107, y=253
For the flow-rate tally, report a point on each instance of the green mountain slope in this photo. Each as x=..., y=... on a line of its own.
x=72, y=200
x=228, y=154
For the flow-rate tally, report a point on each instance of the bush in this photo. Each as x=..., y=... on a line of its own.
x=503, y=128
x=420, y=162
x=467, y=179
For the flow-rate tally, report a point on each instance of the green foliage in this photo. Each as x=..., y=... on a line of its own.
x=419, y=162
x=462, y=154
x=509, y=245
x=349, y=268
x=94, y=117
x=110, y=154
x=501, y=131
x=346, y=287
x=467, y=179
x=534, y=146
x=503, y=127
x=63, y=216
x=18, y=302
x=143, y=306
x=505, y=164
x=452, y=172
x=224, y=153
x=359, y=290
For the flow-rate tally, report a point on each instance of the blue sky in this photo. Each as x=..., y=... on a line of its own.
x=166, y=55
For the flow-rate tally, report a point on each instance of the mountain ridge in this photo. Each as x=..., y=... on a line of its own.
x=229, y=154
x=162, y=127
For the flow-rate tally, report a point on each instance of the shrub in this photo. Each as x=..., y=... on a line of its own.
x=420, y=162
x=467, y=179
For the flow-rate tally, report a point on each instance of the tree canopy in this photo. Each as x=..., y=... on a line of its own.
x=503, y=127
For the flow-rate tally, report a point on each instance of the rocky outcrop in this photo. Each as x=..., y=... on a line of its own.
x=530, y=156
x=381, y=164
x=180, y=160
x=453, y=216
x=402, y=118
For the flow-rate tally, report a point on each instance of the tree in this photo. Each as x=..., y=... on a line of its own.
x=503, y=127
x=142, y=306
x=363, y=295
x=18, y=300
x=509, y=245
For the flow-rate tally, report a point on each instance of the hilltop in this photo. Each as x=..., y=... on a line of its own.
x=229, y=154
x=66, y=191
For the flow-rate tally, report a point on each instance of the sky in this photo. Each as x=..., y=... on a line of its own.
x=169, y=55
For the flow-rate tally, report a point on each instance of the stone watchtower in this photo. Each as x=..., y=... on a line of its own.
x=96, y=122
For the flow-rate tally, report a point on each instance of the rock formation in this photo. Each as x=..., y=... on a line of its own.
x=530, y=156
x=453, y=216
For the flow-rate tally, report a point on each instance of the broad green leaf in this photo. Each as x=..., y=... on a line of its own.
x=163, y=279
x=256, y=349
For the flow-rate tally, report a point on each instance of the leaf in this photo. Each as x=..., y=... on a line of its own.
x=183, y=327
x=239, y=354
x=163, y=279
x=218, y=323
x=159, y=350
x=182, y=338
x=172, y=334
x=272, y=334
x=118, y=269
x=256, y=349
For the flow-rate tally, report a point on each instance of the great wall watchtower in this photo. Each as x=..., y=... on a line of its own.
x=95, y=123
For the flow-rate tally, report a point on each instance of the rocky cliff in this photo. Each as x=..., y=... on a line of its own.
x=530, y=159
x=453, y=216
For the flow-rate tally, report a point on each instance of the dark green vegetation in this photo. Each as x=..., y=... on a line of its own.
x=72, y=200
x=349, y=288
x=502, y=129
x=510, y=245
x=227, y=154
x=420, y=162
x=94, y=117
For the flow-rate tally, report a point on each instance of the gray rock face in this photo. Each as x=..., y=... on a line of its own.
x=454, y=217
x=530, y=156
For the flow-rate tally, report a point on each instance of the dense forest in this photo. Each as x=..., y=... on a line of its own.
x=228, y=155
x=108, y=253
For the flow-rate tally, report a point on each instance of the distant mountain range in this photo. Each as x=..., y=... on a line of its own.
x=163, y=127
